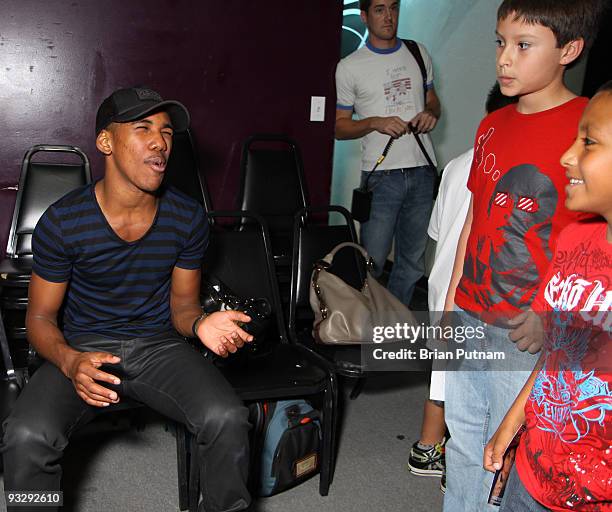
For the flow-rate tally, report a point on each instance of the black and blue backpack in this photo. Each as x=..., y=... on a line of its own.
x=290, y=445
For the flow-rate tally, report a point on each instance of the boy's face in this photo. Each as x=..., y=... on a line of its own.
x=588, y=162
x=528, y=60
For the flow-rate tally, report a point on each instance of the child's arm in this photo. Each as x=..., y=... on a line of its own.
x=449, y=303
x=515, y=417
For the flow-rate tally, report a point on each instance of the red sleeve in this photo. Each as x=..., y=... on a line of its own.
x=472, y=183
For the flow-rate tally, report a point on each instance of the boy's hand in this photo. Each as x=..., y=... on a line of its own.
x=393, y=126
x=424, y=121
x=221, y=333
x=493, y=457
x=527, y=332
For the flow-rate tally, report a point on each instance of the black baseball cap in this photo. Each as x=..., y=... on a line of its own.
x=134, y=103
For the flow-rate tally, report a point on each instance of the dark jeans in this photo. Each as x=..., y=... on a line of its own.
x=164, y=373
x=517, y=499
x=402, y=200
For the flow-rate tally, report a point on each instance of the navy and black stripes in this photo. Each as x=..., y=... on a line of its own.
x=117, y=288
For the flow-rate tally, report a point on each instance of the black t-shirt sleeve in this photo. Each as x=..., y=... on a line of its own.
x=191, y=256
x=51, y=260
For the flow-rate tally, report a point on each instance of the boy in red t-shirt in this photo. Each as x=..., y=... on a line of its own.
x=515, y=216
x=564, y=459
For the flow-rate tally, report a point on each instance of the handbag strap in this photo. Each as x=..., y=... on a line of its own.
x=330, y=257
x=414, y=49
x=379, y=161
x=420, y=143
x=416, y=53
x=388, y=146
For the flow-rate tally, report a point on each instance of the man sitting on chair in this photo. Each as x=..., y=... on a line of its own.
x=123, y=255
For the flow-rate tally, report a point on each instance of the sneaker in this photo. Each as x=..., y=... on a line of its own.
x=427, y=462
x=443, y=481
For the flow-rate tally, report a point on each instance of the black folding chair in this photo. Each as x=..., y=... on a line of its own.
x=183, y=169
x=242, y=260
x=314, y=239
x=272, y=185
x=42, y=182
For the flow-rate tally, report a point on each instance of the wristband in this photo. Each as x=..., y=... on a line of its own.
x=196, y=324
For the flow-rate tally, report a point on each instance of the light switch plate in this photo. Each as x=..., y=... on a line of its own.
x=317, y=108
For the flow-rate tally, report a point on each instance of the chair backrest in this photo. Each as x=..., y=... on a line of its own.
x=40, y=185
x=7, y=207
x=242, y=260
x=272, y=180
x=311, y=242
x=183, y=169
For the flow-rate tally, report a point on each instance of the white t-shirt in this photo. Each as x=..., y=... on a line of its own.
x=376, y=82
x=445, y=224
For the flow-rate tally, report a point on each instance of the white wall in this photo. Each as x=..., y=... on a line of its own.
x=460, y=36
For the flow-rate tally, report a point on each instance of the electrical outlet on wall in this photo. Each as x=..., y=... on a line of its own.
x=317, y=108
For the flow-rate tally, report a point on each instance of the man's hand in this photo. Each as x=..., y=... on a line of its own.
x=83, y=370
x=527, y=332
x=393, y=126
x=221, y=333
x=424, y=121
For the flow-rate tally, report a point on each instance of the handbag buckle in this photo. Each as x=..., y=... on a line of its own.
x=322, y=264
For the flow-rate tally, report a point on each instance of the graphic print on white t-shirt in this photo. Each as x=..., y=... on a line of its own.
x=397, y=92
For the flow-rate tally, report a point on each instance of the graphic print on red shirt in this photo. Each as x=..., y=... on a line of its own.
x=565, y=459
x=518, y=188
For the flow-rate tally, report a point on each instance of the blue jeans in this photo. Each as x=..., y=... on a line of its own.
x=478, y=395
x=401, y=206
x=517, y=498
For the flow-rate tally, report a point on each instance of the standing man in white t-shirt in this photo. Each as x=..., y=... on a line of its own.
x=382, y=83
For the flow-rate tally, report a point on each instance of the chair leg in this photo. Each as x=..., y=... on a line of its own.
x=358, y=388
x=335, y=416
x=194, y=475
x=256, y=418
x=182, y=463
x=329, y=433
x=137, y=419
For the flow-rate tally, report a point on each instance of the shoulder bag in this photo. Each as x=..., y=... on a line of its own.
x=345, y=315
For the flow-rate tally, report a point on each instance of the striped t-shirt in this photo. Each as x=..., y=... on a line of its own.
x=118, y=289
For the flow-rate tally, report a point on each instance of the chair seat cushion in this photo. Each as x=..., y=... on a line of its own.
x=344, y=357
x=285, y=370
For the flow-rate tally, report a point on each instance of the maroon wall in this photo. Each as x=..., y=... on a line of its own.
x=240, y=66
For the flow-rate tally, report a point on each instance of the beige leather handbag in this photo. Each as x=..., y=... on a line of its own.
x=345, y=315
